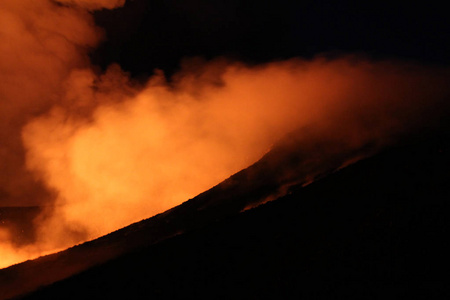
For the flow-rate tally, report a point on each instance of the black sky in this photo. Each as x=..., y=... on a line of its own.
x=145, y=35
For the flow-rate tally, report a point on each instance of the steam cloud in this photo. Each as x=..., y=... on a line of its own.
x=102, y=151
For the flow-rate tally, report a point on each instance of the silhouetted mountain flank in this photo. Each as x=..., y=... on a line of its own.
x=375, y=229
x=296, y=159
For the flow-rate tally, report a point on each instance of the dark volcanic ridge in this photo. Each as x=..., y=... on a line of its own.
x=377, y=228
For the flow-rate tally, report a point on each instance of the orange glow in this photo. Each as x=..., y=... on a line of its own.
x=8, y=253
x=115, y=152
x=161, y=146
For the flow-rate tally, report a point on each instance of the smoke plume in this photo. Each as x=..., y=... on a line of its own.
x=101, y=151
x=42, y=43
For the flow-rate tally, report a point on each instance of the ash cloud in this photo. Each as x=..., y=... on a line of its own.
x=41, y=45
x=106, y=151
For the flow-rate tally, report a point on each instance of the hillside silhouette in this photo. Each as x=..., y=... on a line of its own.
x=375, y=229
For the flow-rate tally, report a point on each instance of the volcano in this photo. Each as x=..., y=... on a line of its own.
x=372, y=228
x=332, y=116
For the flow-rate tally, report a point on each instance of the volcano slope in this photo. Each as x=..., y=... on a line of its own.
x=375, y=229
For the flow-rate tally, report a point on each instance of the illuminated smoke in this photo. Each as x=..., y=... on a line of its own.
x=113, y=151
x=41, y=44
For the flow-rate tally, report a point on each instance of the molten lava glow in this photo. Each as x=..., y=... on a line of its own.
x=9, y=255
x=114, y=151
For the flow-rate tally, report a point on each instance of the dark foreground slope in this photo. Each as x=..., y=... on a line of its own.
x=299, y=158
x=376, y=229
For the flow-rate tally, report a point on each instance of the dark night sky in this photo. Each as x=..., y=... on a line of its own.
x=145, y=35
